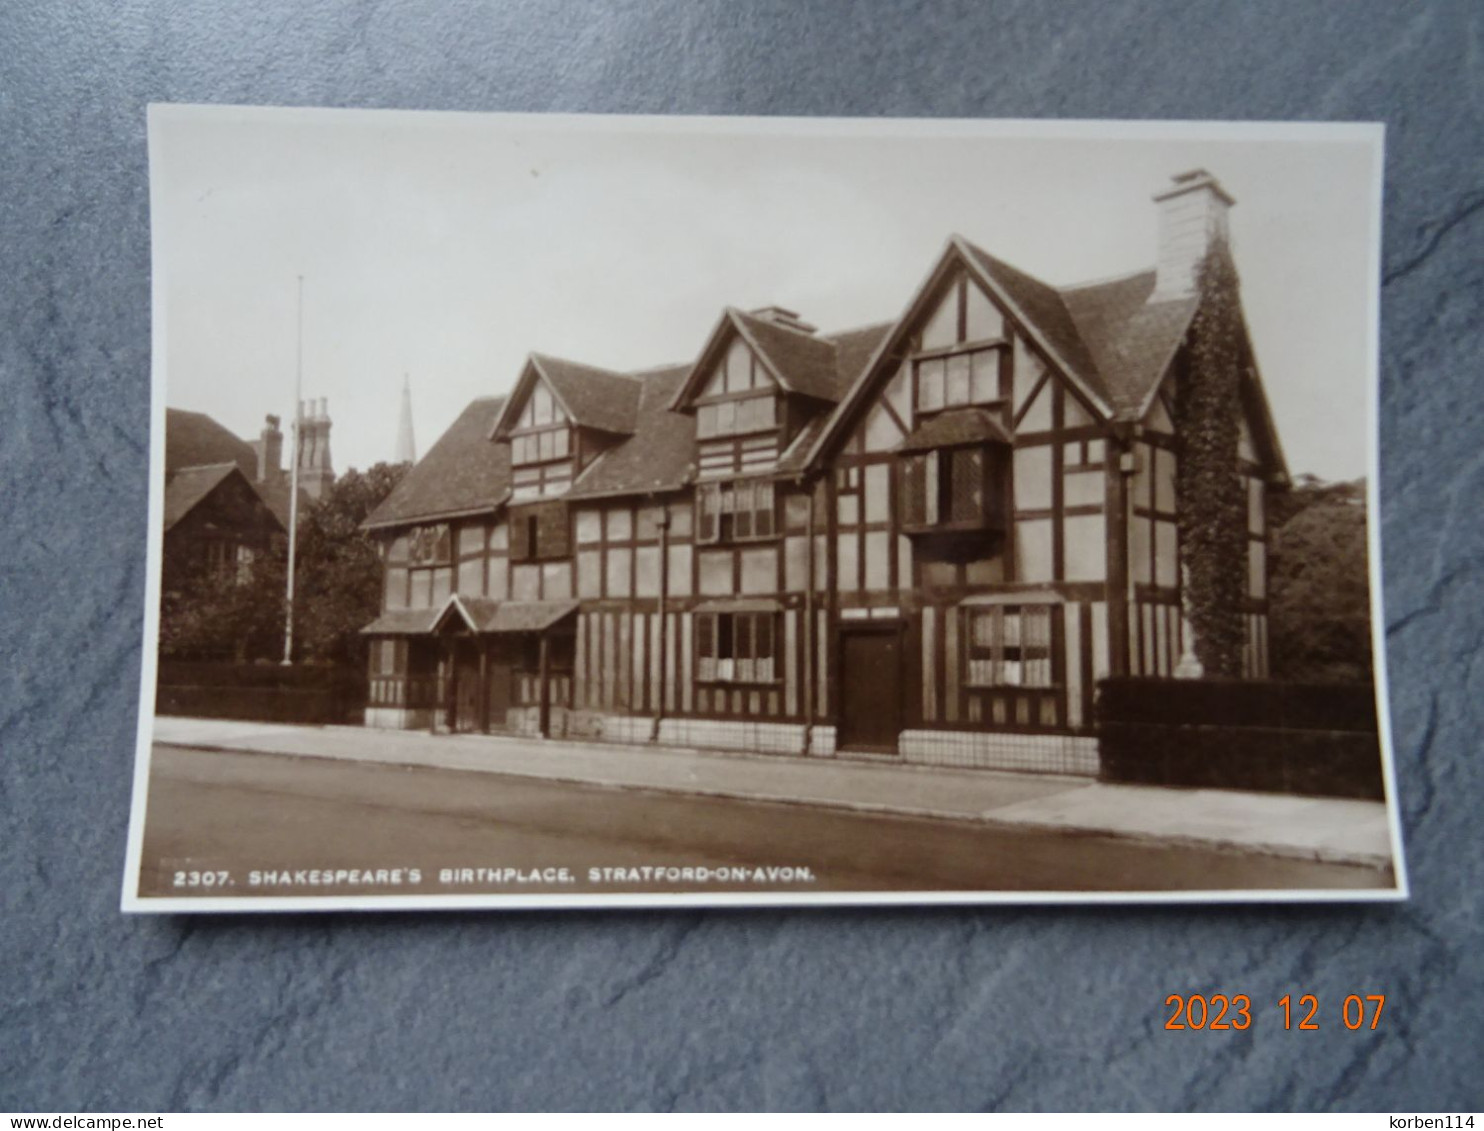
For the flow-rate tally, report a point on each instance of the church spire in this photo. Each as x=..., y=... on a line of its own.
x=406, y=446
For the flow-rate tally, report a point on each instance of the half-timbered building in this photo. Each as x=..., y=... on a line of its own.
x=924, y=540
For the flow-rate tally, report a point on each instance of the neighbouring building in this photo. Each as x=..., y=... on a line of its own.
x=924, y=540
x=226, y=499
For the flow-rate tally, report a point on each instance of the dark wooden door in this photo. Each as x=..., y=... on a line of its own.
x=870, y=689
x=499, y=692
x=466, y=704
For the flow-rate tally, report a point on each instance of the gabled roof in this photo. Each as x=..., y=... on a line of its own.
x=193, y=439
x=478, y=614
x=186, y=488
x=1130, y=339
x=820, y=366
x=592, y=398
x=1043, y=311
x=463, y=473
x=854, y=350
x=800, y=363
x=1109, y=339
x=659, y=456
x=953, y=428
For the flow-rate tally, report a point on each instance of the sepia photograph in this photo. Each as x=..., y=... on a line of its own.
x=580, y=511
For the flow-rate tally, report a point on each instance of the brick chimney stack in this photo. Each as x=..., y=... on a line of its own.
x=270, y=451
x=1192, y=217
x=781, y=316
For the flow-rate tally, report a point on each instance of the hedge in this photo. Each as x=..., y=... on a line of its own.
x=1228, y=734
x=317, y=694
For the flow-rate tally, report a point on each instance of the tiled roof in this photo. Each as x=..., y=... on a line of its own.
x=463, y=473
x=595, y=398
x=955, y=427
x=1044, y=308
x=528, y=616
x=1130, y=339
x=659, y=456
x=193, y=439
x=853, y=351
x=275, y=493
x=804, y=363
x=482, y=614
x=403, y=622
x=185, y=488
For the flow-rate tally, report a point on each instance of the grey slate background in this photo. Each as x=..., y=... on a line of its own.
x=991, y=1008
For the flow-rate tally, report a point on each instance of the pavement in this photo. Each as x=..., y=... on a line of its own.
x=1327, y=830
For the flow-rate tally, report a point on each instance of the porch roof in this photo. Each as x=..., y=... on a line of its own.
x=528, y=616
x=403, y=622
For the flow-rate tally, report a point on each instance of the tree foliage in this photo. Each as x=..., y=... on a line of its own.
x=337, y=588
x=213, y=615
x=1319, y=622
x=1212, y=497
x=339, y=577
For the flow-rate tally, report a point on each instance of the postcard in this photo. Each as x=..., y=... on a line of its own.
x=567, y=511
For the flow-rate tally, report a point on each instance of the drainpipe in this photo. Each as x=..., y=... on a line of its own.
x=659, y=711
x=808, y=621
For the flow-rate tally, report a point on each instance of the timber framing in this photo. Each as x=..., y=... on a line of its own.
x=925, y=540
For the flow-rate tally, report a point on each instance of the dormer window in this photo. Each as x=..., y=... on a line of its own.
x=956, y=379
x=754, y=413
x=960, y=350
x=541, y=447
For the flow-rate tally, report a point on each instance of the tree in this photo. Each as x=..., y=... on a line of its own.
x=1212, y=498
x=338, y=573
x=1319, y=583
x=213, y=615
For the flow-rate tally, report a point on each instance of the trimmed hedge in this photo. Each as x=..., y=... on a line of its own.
x=1229, y=734
x=262, y=692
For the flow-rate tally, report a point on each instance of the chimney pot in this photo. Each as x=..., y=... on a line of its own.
x=782, y=316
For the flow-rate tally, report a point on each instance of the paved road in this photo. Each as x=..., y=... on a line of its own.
x=244, y=813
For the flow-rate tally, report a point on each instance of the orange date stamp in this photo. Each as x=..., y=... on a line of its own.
x=1213, y=1012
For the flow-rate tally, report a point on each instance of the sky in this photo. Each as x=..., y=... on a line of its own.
x=444, y=248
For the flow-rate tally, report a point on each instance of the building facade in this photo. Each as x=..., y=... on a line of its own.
x=924, y=540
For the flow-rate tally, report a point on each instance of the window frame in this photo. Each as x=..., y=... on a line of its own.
x=994, y=651
x=724, y=530
x=736, y=633
x=934, y=483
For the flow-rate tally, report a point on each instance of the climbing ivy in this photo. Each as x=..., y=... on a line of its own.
x=1211, y=494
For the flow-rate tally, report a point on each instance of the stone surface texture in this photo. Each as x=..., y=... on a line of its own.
x=992, y=1008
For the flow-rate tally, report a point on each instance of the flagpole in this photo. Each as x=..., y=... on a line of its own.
x=288, y=624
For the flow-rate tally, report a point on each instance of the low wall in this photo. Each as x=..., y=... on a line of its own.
x=261, y=692
x=1316, y=739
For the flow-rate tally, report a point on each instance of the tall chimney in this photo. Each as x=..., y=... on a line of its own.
x=270, y=451
x=1192, y=216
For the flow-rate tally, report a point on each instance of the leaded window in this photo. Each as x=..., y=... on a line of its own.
x=736, y=647
x=745, y=510
x=1009, y=646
